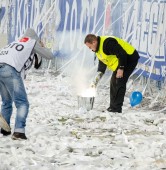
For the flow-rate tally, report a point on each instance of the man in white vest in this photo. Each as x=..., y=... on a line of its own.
x=15, y=59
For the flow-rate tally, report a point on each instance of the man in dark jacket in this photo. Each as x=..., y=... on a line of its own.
x=15, y=59
x=116, y=55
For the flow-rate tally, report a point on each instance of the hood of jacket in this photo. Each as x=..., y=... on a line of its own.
x=32, y=34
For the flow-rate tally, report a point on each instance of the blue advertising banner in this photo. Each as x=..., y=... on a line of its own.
x=72, y=15
x=149, y=37
x=62, y=24
x=84, y=15
x=57, y=22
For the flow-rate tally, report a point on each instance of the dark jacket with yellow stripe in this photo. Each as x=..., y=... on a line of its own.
x=114, y=52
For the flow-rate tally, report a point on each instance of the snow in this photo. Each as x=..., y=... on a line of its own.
x=63, y=136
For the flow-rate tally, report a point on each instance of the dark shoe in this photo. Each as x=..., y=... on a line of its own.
x=17, y=136
x=5, y=133
x=114, y=111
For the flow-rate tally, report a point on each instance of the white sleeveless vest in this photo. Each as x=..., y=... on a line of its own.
x=17, y=53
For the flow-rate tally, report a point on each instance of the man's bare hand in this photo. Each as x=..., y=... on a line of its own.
x=119, y=73
x=41, y=43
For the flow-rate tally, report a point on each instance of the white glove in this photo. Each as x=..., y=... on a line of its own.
x=96, y=79
x=92, y=85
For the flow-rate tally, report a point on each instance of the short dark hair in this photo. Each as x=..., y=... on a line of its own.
x=90, y=38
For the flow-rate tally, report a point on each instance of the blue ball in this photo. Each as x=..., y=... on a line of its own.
x=135, y=98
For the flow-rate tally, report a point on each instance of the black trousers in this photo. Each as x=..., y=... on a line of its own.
x=118, y=87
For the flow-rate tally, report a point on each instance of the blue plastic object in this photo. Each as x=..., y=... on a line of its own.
x=135, y=98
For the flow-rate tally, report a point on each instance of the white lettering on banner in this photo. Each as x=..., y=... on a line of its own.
x=152, y=28
x=143, y=29
x=152, y=31
x=88, y=11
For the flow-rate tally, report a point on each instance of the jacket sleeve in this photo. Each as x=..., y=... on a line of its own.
x=43, y=51
x=111, y=47
x=101, y=67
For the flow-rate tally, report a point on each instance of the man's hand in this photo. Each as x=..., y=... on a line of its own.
x=92, y=85
x=119, y=73
x=96, y=79
x=41, y=43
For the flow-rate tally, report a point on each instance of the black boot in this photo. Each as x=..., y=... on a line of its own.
x=113, y=110
x=5, y=133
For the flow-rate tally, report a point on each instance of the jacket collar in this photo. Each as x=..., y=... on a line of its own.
x=98, y=44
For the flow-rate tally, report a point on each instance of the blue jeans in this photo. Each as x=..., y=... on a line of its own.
x=12, y=90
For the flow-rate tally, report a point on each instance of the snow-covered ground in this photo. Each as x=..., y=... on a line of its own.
x=63, y=136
